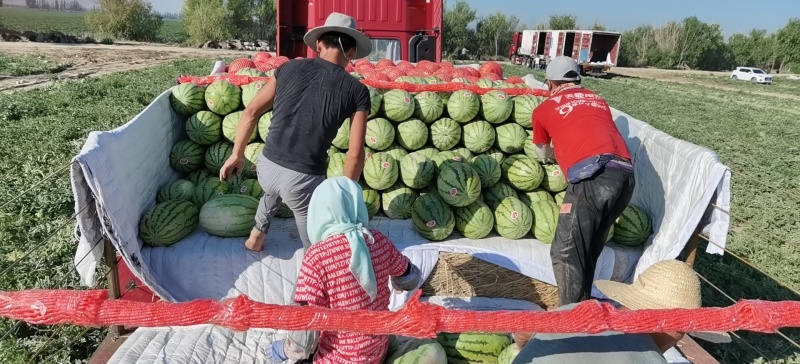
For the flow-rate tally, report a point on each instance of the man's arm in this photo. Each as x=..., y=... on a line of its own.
x=354, y=162
x=541, y=139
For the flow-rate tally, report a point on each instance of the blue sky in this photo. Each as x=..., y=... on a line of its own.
x=733, y=15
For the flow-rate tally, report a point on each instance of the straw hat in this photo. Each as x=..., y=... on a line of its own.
x=338, y=22
x=665, y=285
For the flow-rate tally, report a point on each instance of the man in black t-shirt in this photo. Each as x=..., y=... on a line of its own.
x=310, y=99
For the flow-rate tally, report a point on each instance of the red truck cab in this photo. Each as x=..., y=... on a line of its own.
x=408, y=30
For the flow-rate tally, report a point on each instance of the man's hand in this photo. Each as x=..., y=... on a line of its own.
x=522, y=338
x=545, y=153
x=354, y=162
x=234, y=164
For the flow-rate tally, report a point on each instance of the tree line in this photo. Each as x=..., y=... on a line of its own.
x=57, y=5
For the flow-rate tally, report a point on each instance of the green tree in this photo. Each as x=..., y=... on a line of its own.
x=495, y=31
x=636, y=46
x=560, y=22
x=455, y=28
x=265, y=20
x=240, y=15
x=206, y=20
x=755, y=49
x=127, y=19
x=786, y=43
x=598, y=26
x=703, y=46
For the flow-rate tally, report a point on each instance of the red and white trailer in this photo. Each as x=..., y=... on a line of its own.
x=595, y=51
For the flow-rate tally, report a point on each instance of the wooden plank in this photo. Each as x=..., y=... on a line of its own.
x=692, y=351
x=109, y=346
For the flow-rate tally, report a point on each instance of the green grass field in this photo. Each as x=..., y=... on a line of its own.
x=73, y=24
x=755, y=135
x=28, y=65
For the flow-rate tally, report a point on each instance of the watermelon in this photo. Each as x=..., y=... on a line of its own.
x=186, y=156
x=396, y=151
x=380, y=171
x=465, y=153
x=229, y=215
x=251, y=154
x=512, y=219
x=263, y=125
x=336, y=165
x=231, y=122
x=485, y=83
x=187, y=99
x=249, y=187
x=473, y=347
x=445, y=133
x=554, y=180
x=428, y=152
x=198, y=176
x=508, y=354
x=458, y=184
x=250, y=90
x=432, y=217
x=463, y=106
x=443, y=159
x=284, y=212
x=380, y=134
x=417, y=351
x=398, y=202
x=474, y=221
x=234, y=181
x=180, y=190
x=417, y=170
x=528, y=148
x=494, y=195
x=538, y=194
x=223, y=97
x=342, y=139
x=523, y=110
x=511, y=138
x=633, y=227
x=412, y=134
x=251, y=72
x=522, y=172
x=545, y=219
x=398, y=105
x=479, y=136
x=496, y=154
x=204, y=128
x=428, y=106
x=209, y=189
x=496, y=106
x=375, y=101
x=488, y=170
x=168, y=222
x=372, y=198
x=559, y=197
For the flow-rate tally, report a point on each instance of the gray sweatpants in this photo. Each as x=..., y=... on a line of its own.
x=285, y=185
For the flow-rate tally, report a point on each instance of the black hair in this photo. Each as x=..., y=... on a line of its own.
x=332, y=39
x=570, y=74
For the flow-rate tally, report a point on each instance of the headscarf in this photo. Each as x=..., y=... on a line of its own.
x=337, y=207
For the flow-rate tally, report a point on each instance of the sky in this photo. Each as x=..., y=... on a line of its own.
x=732, y=15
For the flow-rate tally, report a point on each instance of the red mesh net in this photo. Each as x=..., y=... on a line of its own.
x=416, y=319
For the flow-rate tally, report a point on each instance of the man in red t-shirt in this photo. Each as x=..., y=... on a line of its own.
x=595, y=159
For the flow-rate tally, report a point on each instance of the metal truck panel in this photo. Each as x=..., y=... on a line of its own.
x=527, y=48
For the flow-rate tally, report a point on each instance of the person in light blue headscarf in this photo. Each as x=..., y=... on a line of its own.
x=348, y=267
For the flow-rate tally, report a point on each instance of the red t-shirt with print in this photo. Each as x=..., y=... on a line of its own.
x=325, y=280
x=579, y=124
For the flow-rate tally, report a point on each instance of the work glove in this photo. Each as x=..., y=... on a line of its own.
x=408, y=282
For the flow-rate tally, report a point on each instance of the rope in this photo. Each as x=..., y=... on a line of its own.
x=416, y=319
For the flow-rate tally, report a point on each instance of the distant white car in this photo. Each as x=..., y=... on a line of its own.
x=751, y=74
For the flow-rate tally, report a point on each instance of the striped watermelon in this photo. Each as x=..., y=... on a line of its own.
x=229, y=215
x=372, y=198
x=223, y=97
x=473, y=347
x=412, y=134
x=523, y=110
x=511, y=138
x=554, y=180
x=336, y=165
x=496, y=106
x=417, y=170
x=494, y=195
x=496, y=154
x=522, y=172
x=479, y=136
x=249, y=187
x=251, y=72
x=234, y=181
x=229, y=125
x=428, y=152
x=198, y=176
x=216, y=155
x=633, y=227
x=417, y=351
x=251, y=154
x=475, y=220
x=396, y=151
x=380, y=134
x=180, y=190
x=398, y=202
x=512, y=219
x=463, y=106
x=380, y=171
x=398, y=105
x=528, y=148
x=465, y=153
x=168, y=222
x=250, y=90
x=545, y=219
x=559, y=197
x=432, y=217
x=508, y=354
x=485, y=83
x=342, y=138
x=187, y=99
x=333, y=150
x=368, y=152
x=284, y=212
x=263, y=125
x=204, y=128
x=539, y=194
x=186, y=156
x=443, y=159
x=375, y=101
x=210, y=189
x=458, y=184
x=428, y=106
x=445, y=133
x=488, y=170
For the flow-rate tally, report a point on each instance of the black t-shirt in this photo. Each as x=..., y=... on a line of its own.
x=312, y=100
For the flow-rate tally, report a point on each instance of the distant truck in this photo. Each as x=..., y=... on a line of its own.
x=595, y=51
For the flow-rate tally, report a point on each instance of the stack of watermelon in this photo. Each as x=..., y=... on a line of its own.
x=450, y=161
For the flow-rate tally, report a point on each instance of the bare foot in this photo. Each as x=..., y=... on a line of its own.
x=255, y=242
